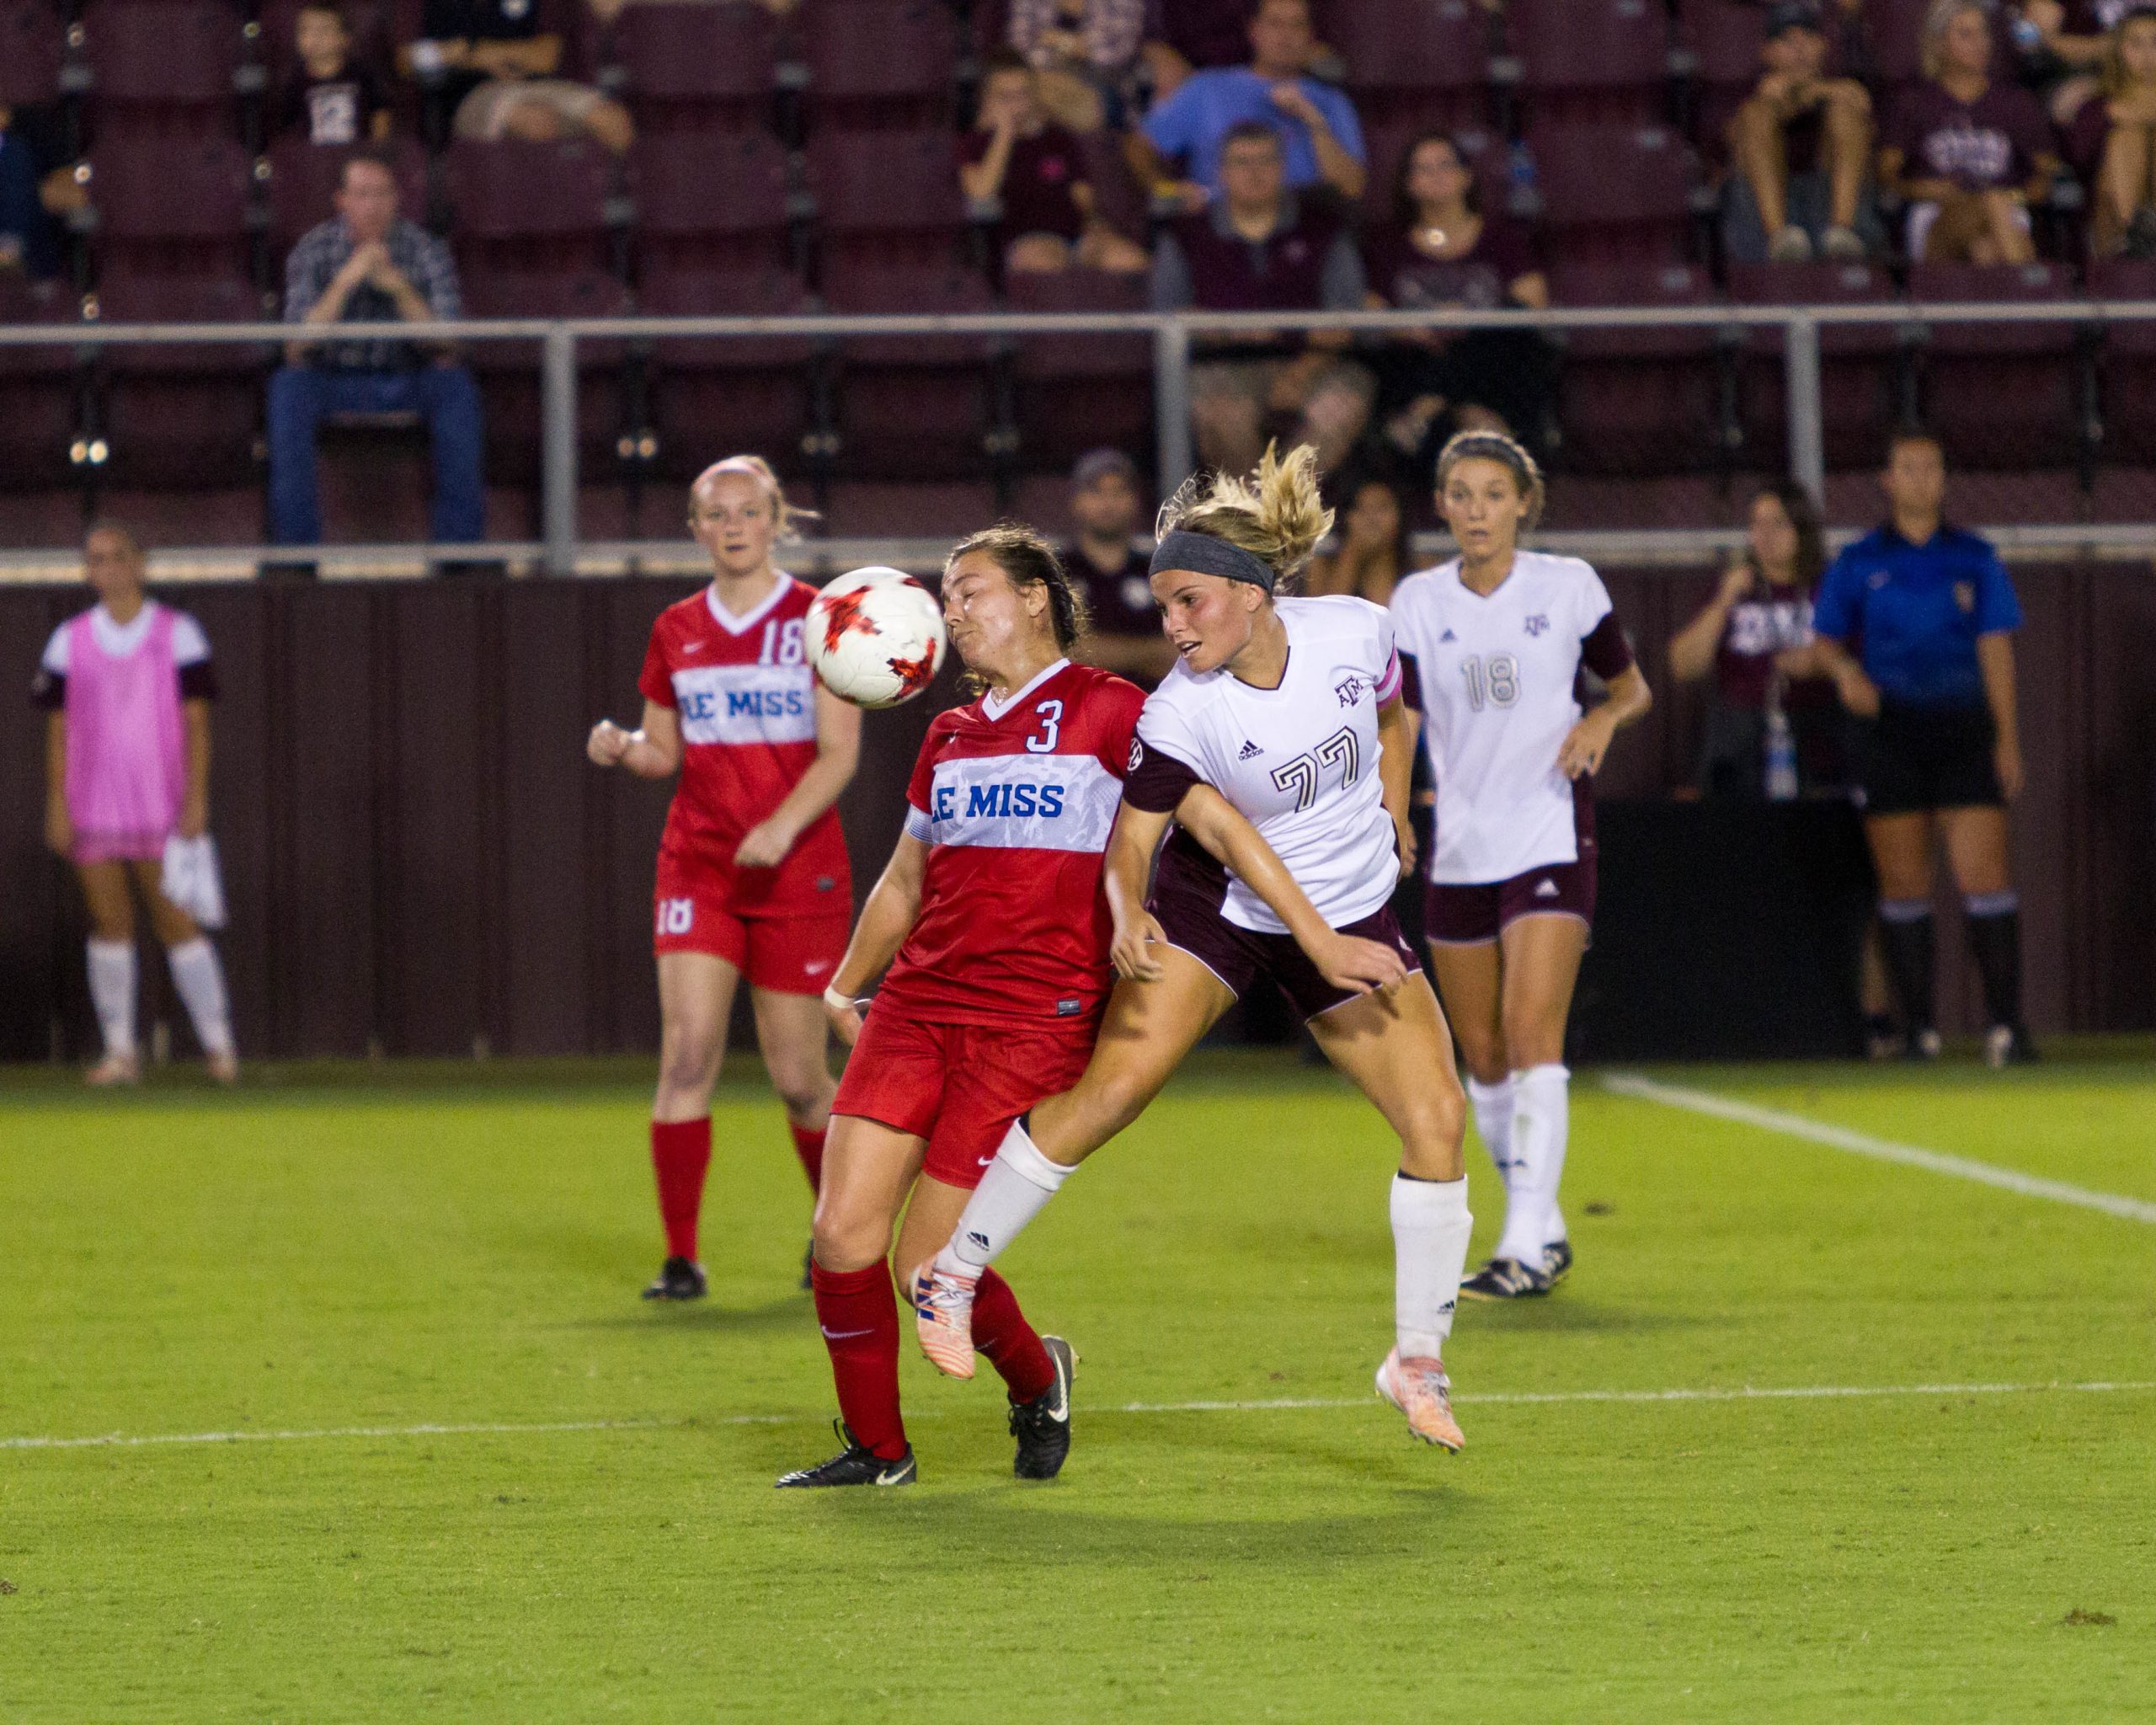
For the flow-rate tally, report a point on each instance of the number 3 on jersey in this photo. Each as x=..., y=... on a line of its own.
x=1300, y=774
x=1495, y=680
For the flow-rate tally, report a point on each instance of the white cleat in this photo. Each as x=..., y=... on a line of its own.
x=943, y=1318
x=1420, y=1389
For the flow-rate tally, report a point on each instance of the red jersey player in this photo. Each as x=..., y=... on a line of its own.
x=752, y=876
x=991, y=917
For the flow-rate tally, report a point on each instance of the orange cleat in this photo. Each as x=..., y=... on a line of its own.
x=1420, y=1389
x=943, y=1318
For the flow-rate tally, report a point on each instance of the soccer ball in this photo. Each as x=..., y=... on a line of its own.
x=876, y=637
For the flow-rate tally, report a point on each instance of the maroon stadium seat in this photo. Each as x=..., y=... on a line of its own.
x=1863, y=381
x=1896, y=29
x=1614, y=193
x=513, y=190
x=1422, y=61
x=40, y=386
x=881, y=182
x=1642, y=401
x=508, y=372
x=189, y=414
x=31, y=46
x=708, y=396
x=1077, y=392
x=684, y=61
x=1968, y=370
x=880, y=58
x=912, y=407
x=162, y=54
x=697, y=185
x=2128, y=371
x=1723, y=39
x=196, y=188
x=303, y=179
x=1592, y=59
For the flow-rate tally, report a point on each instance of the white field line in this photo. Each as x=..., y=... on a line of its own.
x=1885, y=1150
x=1796, y=1392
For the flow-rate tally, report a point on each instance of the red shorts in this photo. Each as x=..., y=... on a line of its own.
x=1469, y=915
x=958, y=1085
x=785, y=954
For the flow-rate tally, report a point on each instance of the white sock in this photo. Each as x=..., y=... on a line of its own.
x=1430, y=1226
x=1493, y=1120
x=201, y=980
x=112, y=991
x=1541, y=1116
x=1016, y=1188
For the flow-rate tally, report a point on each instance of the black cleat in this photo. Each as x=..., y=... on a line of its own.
x=808, y=1264
x=678, y=1279
x=1042, y=1426
x=1557, y=1260
x=856, y=1465
x=1505, y=1279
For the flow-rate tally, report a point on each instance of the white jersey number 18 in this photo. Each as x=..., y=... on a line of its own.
x=1495, y=680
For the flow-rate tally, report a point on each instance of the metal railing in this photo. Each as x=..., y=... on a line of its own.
x=1174, y=336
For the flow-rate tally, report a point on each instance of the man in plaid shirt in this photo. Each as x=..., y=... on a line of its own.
x=367, y=266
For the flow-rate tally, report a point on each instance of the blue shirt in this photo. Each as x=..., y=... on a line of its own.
x=1916, y=610
x=1191, y=123
x=22, y=219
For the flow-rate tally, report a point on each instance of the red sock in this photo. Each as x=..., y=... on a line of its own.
x=1001, y=1332
x=859, y=1315
x=680, y=1151
x=809, y=1147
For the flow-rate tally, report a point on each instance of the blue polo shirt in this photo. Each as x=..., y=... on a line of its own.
x=1191, y=123
x=1915, y=611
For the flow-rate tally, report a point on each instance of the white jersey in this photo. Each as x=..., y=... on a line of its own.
x=1495, y=678
x=1300, y=762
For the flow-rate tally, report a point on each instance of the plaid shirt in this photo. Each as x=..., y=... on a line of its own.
x=323, y=251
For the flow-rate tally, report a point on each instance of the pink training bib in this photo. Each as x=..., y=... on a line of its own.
x=126, y=753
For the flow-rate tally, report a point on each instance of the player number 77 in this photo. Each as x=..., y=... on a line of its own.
x=1300, y=774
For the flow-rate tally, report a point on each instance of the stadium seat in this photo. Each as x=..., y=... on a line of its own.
x=172, y=206
x=685, y=66
x=162, y=54
x=1615, y=193
x=1591, y=60
x=879, y=510
x=2128, y=363
x=42, y=387
x=1079, y=390
x=1895, y=29
x=183, y=415
x=1968, y=370
x=508, y=372
x=531, y=206
x=729, y=190
x=1864, y=382
x=32, y=47
x=1424, y=63
x=913, y=407
x=303, y=179
x=707, y=396
x=1718, y=43
x=885, y=182
x=1643, y=401
x=888, y=62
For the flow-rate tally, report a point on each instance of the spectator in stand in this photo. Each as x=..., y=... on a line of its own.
x=1126, y=637
x=1260, y=248
x=1752, y=638
x=29, y=241
x=2062, y=47
x=1372, y=556
x=1968, y=154
x=2113, y=143
x=1087, y=52
x=1319, y=133
x=1801, y=147
x=368, y=266
x=331, y=99
x=1035, y=170
x=498, y=68
x=1440, y=251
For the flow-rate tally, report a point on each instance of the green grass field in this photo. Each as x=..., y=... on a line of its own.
x=490, y=1483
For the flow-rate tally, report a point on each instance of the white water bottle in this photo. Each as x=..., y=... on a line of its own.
x=1780, y=747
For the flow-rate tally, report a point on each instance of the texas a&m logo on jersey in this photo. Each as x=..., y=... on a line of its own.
x=1350, y=688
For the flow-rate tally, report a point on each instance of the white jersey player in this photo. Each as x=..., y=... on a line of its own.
x=1290, y=709
x=1492, y=645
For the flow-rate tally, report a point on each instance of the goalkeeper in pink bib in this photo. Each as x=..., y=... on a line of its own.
x=126, y=686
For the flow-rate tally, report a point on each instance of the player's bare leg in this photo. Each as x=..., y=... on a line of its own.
x=1541, y=955
x=794, y=1036
x=112, y=967
x=1150, y=1027
x=1393, y=1044
x=695, y=1002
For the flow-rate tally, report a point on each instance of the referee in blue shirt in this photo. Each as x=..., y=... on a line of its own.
x=1928, y=612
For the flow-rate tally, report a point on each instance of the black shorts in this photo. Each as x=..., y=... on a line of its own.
x=1914, y=758
x=1186, y=902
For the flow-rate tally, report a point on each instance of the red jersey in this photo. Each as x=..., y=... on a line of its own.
x=1015, y=801
x=747, y=702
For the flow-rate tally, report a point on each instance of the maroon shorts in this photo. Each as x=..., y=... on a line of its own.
x=1469, y=915
x=1186, y=903
x=958, y=1085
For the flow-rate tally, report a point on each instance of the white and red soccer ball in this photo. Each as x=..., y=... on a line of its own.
x=876, y=637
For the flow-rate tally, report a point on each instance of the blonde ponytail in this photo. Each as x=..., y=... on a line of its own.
x=1278, y=514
